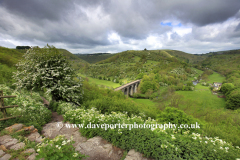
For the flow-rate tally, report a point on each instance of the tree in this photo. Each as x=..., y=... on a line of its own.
x=46, y=68
x=233, y=99
x=227, y=88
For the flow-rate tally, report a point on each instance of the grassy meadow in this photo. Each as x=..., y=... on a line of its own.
x=100, y=83
x=216, y=77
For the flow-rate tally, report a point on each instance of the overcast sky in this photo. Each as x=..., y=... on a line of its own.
x=97, y=26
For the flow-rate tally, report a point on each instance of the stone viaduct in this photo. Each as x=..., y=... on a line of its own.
x=129, y=88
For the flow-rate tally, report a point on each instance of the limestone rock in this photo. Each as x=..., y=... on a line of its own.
x=2, y=147
x=6, y=157
x=33, y=136
x=133, y=155
x=51, y=130
x=39, y=139
x=2, y=153
x=32, y=157
x=18, y=146
x=14, y=127
x=11, y=143
x=4, y=139
x=31, y=128
x=97, y=148
x=30, y=150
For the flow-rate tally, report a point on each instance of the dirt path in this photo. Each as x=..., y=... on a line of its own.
x=55, y=116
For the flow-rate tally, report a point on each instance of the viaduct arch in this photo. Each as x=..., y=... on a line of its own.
x=129, y=88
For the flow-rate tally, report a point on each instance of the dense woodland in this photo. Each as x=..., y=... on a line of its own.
x=166, y=94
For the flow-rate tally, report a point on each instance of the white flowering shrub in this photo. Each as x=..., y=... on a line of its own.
x=30, y=107
x=178, y=71
x=46, y=68
x=63, y=107
x=58, y=148
x=156, y=143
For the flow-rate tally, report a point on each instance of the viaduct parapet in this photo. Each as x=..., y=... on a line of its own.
x=129, y=88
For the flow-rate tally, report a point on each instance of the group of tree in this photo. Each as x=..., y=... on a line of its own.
x=23, y=47
x=232, y=94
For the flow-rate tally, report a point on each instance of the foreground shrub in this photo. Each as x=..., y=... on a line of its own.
x=176, y=116
x=156, y=143
x=108, y=104
x=47, y=68
x=30, y=107
x=58, y=148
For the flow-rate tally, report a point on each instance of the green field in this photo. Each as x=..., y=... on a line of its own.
x=203, y=97
x=215, y=77
x=101, y=82
x=147, y=106
x=147, y=102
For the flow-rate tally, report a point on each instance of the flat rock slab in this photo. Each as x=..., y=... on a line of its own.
x=4, y=139
x=31, y=128
x=51, y=130
x=99, y=149
x=18, y=146
x=14, y=127
x=35, y=137
x=2, y=152
x=133, y=155
x=32, y=157
x=11, y=143
x=6, y=157
x=30, y=150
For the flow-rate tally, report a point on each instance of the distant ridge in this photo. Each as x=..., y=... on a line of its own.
x=94, y=57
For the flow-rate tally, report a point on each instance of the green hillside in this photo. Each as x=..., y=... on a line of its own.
x=76, y=61
x=223, y=62
x=94, y=58
x=186, y=57
x=127, y=66
x=9, y=57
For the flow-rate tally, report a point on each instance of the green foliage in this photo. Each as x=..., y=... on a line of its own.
x=30, y=108
x=9, y=57
x=54, y=105
x=233, y=99
x=140, y=76
x=157, y=143
x=226, y=88
x=6, y=74
x=108, y=105
x=58, y=148
x=47, y=68
x=189, y=83
x=176, y=116
x=148, y=83
x=183, y=88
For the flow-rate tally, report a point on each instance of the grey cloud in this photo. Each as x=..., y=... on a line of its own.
x=70, y=22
